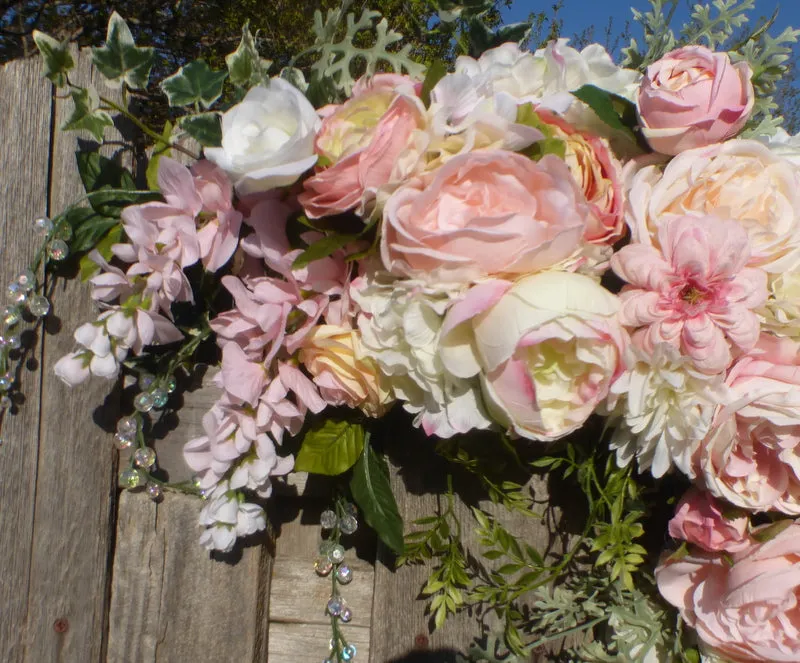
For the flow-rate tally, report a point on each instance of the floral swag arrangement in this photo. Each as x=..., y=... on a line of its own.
x=503, y=251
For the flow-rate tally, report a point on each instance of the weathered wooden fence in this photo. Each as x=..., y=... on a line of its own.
x=89, y=574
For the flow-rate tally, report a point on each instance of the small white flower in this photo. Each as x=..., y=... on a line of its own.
x=73, y=368
x=250, y=519
x=219, y=537
x=666, y=407
x=267, y=138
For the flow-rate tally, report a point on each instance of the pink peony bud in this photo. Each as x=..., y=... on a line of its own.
x=699, y=520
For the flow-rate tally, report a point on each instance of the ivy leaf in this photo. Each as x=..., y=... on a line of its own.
x=57, y=58
x=120, y=60
x=615, y=111
x=85, y=116
x=322, y=249
x=373, y=494
x=196, y=82
x=246, y=68
x=330, y=448
x=205, y=128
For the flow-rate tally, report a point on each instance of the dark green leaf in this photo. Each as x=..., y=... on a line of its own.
x=322, y=249
x=194, y=83
x=246, y=67
x=85, y=115
x=615, y=111
x=87, y=227
x=435, y=73
x=57, y=58
x=104, y=178
x=373, y=494
x=120, y=60
x=330, y=448
x=205, y=128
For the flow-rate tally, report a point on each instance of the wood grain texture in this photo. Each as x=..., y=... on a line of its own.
x=170, y=600
x=299, y=629
x=76, y=480
x=25, y=111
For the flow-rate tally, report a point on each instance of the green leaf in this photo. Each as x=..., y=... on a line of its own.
x=768, y=532
x=615, y=111
x=85, y=116
x=57, y=58
x=205, y=128
x=87, y=266
x=194, y=83
x=104, y=178
x=330, y=448
x=120, y=60
x=246, y=67
x=152, y=165
x=87, y=227
x=373, y=494
x=436, y=72
x=322, y=249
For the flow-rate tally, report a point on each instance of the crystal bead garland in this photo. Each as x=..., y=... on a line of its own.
x=331, y=563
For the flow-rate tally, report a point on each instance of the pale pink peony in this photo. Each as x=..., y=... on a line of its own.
x=484, y=213
x=700, y=519
x=693, y=97
x=746, y=607
x=694, y=292
x=547, y=350
x=751, y=457
x=359, y=143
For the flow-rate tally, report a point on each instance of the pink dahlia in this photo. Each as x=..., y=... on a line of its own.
x=694, y=293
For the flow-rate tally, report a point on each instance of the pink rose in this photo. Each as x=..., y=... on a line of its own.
x=752, y=454
x=695, y=292
x=598, y=174
x=699, y=519
x=744, y=607
x=484, y=213
x=693, y=97
x=361, y=140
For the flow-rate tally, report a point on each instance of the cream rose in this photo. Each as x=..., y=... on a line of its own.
x=333, y=357
x=547, y=349
x=740, y=179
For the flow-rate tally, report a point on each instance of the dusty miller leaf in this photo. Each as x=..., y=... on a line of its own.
x=57, y=58
x=120, y=60
x=194, y=83
x=85, y=114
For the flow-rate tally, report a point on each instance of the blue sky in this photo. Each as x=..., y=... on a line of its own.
x=579, y=14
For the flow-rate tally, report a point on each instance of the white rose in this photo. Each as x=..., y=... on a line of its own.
x=267, y=138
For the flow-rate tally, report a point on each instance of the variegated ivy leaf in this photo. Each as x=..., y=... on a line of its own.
x=194, y=83
x=296, y=77
x=57, y=58
x=120, y=60
x=246, y=67
x=86, y=115
x=205, y=128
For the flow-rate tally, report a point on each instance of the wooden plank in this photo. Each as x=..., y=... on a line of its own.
x=76, y=481
x=170, y=600
x=25, y=109
x=299, y=629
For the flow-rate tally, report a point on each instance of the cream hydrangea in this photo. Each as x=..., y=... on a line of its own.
x=665, y=406
x=400, y=327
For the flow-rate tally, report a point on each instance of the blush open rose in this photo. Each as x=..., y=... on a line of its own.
x=694, y=97
x=360, y=141
x=484, y=213
x=744, y=606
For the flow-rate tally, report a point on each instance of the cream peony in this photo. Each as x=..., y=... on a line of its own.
x=742, y=180
x=547, y=349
